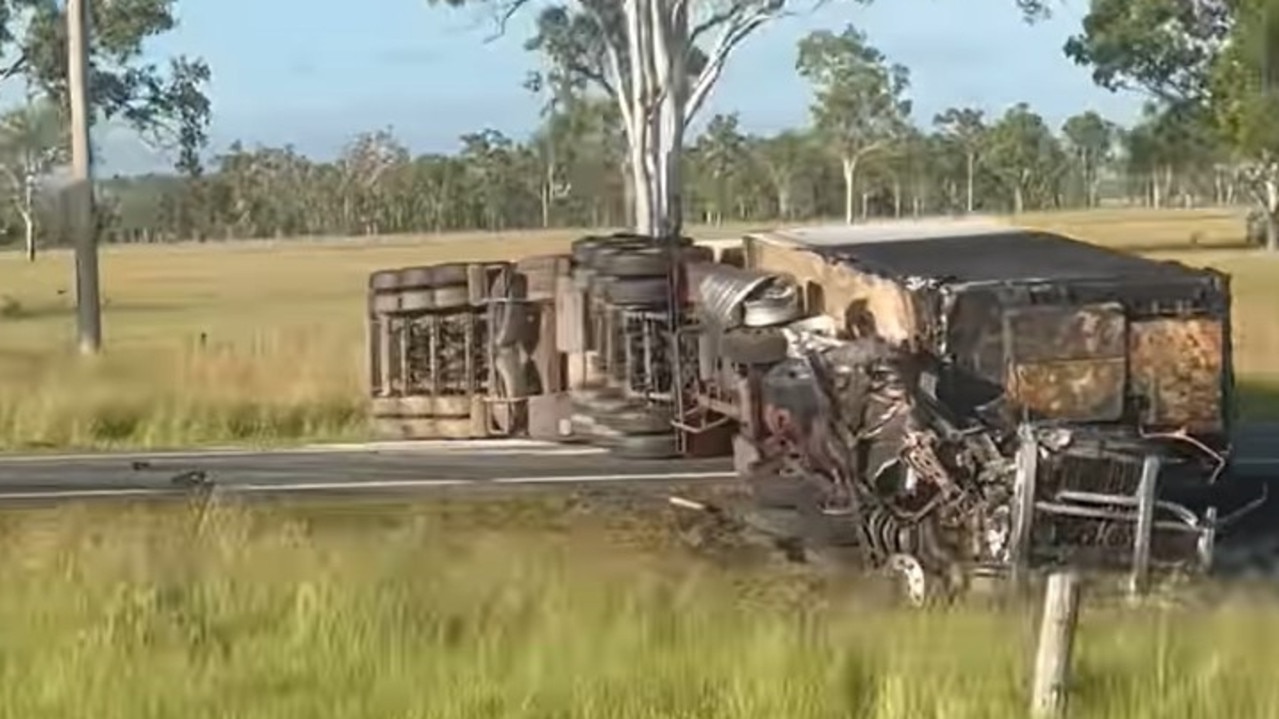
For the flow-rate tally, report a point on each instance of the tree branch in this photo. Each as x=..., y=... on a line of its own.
x=738, y=26
x=504, y=12
x=613, y=54
x=15, y=67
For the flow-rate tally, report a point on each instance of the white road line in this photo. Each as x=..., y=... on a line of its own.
x=546, y=449
x=302, y=487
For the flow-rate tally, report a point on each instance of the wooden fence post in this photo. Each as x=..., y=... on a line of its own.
x=1139, y=581
x=1027, y=471
x=1056, y=644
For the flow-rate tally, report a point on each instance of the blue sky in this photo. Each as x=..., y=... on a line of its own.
x=315, y=72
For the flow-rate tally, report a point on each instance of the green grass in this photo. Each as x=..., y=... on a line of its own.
x=148, y=613
x=284, y=359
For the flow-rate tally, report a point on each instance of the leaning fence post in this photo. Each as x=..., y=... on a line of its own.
x=1027, y=469
x=1056, y=644
x=1146, y=494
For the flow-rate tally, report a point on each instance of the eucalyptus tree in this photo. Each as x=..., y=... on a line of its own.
x=659, y=60
x=860, y=105
x=33, y=144
x=966, y=127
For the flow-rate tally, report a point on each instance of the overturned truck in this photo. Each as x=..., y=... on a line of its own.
x=964, y=395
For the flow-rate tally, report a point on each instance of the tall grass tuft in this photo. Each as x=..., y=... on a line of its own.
x=259, y=343
x=153, y=613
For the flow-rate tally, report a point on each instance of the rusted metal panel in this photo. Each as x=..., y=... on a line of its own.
x=1066, y=333
x=840, y=290
x=1068, y=362
x=1078, y=390
x=1177, y=370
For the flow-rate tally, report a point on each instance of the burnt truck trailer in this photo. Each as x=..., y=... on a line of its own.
x=970, y=395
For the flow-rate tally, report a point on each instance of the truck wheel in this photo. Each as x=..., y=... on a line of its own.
x=749, y=346
x=417, y=300
x=509, y=323
x=448, y=275
x=384, y=280
x=444, y=298
x=511, y=374
x=415, y=278
x=594, y=254
x=640, y=421
x=645, y=262
x=635, y=291
x=387, y=303
x=777, y=306
x=645, y=446
x=582, y=250
x=599, y=402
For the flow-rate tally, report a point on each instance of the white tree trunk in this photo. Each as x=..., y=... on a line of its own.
x=27, y=210
x=1271, y=184
x=972, y=162
x=850, y=177
x=29, y=229
x=656, y=99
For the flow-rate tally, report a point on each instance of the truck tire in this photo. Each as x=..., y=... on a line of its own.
x=582, y=250
x=417, y=300
x=635, y=291
x=638, y=421
x=587, y=251
x=386, y=303
x=415, y=278
x=646, y=262
x=511, y=368
x=509, y=323
x=749, y=346
x=600, y=402
x=633, y=237
x=454, y=273
x=443, y=298
x=645, y=446
x=777, y=303
x=384, y=280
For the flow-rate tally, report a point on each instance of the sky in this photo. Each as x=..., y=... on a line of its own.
x=314, y=73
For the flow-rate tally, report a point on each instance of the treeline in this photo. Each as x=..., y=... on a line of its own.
x=1019, y=161
x=862, y=154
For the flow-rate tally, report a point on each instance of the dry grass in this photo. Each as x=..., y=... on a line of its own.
x=285, y=338
x=145, y=613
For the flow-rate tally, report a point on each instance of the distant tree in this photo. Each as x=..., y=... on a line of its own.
x=659, y=59
x=1091, y=140
x=860, y=105
x=1023, y=153
x=33, y=143
x=1245, y=101
x=966, y=127
x=783, y=158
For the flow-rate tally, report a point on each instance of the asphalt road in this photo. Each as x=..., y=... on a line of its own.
x=400, y=468
x=376, y=469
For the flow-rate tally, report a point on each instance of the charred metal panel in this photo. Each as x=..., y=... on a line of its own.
x=974, y=344
x=1007, y=256
x=1068, y=362
x=846, y=293
x=1177, y=367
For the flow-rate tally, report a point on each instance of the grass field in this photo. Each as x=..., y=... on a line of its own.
x=284, y=359
x=528, y=610
x=147, y=613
